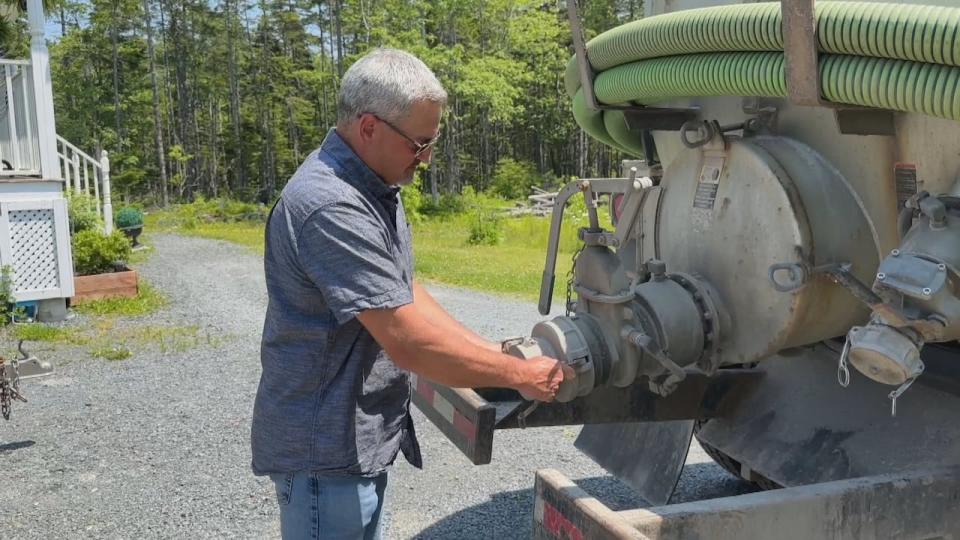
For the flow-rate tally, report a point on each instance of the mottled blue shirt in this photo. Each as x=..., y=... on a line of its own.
x=330, y=399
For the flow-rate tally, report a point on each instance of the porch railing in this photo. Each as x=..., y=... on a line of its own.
x=19, y=143
x=85, y=174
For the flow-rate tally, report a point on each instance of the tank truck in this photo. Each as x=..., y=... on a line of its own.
x=780, y=280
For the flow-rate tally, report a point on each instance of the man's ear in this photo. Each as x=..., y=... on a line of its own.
x=366, y=125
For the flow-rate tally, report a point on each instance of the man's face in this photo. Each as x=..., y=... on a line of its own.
x=396, y=148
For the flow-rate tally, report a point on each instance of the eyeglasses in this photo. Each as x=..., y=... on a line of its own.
x=419, y=147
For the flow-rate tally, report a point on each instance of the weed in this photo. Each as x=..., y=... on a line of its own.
x=43, y=332
x=485, y=230
x=148, y=300
x=115, y=353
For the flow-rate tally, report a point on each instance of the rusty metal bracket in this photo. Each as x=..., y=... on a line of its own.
x=583, y=63
x=802, y=70
x=637, y=117
x=800, y=52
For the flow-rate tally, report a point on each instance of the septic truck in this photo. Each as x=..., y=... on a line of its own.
x=780, y=278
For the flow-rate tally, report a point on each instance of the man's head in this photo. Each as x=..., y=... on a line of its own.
x=389, y=112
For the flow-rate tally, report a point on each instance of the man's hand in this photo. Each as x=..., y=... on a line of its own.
x=543, y=376
x=418, y=344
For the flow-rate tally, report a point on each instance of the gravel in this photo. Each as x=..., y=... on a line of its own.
x=157, y=446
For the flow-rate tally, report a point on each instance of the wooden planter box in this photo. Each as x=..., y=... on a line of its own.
x=114, y=284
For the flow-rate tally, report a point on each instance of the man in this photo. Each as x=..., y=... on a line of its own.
x=346, y=320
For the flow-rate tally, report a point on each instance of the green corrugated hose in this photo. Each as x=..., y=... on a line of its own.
x=890, y=56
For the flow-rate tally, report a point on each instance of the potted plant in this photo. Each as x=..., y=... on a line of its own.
x=99, y=265
x=130, y=220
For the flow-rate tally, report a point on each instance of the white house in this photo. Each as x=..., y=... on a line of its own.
x=37, y=167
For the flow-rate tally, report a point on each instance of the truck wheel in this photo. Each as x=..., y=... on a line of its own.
x=733, y=466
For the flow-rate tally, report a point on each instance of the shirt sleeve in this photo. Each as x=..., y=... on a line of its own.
x=345, y=251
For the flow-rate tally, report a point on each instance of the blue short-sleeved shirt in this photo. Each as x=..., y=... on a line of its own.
x=330, y=399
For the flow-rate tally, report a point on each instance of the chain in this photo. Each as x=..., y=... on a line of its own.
x=569, y=305
x=9, y=387
x=843, y=372
x=6, y=393
x=903, y=388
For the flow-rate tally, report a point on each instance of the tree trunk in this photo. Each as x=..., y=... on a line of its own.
x=114, y=38
x=170, y=118
x=215, y=147
x=294, y=131
x=450, y=149
x=157, y=117
x=239, y=162
x=324, y=120
x=434, y=173
x=339, y=26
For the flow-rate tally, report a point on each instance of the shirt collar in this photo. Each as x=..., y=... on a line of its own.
x=336, y=153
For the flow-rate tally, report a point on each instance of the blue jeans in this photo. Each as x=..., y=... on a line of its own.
x=317, y=506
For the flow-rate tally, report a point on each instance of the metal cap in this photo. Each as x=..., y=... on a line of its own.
x=884, y=354
x=657, y=269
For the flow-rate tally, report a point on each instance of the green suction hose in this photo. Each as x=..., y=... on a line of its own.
x=890, y=56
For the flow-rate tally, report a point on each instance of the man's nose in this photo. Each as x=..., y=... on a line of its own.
x=426, y=156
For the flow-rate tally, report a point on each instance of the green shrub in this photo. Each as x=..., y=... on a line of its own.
x=412, y=197
x=474, y=199
x=450, y=203
x=512, y=179
x=82, y=212
x=94, y=253
x=190, y=216
x=233, y=210
x=485, y=230
x=7, y=299
x=129, y=217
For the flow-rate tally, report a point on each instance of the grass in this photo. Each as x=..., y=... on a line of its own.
x=248, y=234
x=113, y=353
x=141, y=254
x=42, y=332
x=106, y=339
x=513, y=267
x=244, y=233
x=148, y=300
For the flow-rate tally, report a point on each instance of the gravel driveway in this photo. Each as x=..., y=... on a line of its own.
x=157, y=445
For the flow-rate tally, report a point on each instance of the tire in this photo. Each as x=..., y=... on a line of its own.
x=733, y=466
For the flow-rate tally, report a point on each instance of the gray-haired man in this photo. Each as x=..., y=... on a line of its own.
x=346, y=320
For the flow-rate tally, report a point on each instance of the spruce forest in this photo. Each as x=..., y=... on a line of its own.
x=224, y=98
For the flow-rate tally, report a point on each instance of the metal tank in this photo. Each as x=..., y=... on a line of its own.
x=794, y=260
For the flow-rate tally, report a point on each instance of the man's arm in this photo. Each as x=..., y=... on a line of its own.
x=418, y=344
x=434, y=312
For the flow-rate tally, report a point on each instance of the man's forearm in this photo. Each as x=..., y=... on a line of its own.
x=419, y=344
x=434, y=312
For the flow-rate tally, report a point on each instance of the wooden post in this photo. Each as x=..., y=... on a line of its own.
x=29, y=108
x=12, y=118
x=107, y=203
x=43, y=92
x=77, y=181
